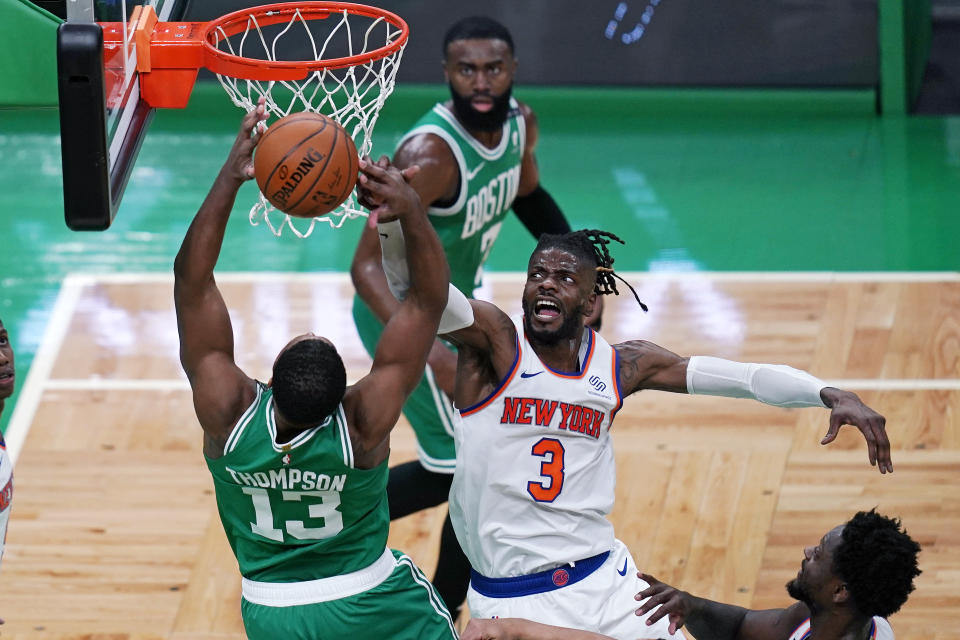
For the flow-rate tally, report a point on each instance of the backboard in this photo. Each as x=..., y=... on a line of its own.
x=102, y=117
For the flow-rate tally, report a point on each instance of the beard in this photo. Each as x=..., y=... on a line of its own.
x=798, y=592
x=475, y=120
x=568, y=329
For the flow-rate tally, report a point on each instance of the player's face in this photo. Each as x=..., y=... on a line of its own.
x=6, y=364
x=816, y=582
x=480, y=74
x=557, y=295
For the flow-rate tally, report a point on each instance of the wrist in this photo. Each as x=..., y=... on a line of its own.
x=229, y=178
x=831, y=396
x=508, y=628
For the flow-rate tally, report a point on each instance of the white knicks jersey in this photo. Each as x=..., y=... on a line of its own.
x=6, y=492
x=535, y=472
x=881, y=630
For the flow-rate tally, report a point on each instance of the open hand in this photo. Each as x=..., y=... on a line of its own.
x=667, y=600
x=847, y=408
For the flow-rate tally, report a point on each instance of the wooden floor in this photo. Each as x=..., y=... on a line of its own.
x=114, y=532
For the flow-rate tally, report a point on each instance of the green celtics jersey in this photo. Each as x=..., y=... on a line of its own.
x=299, y=510
x=489, y=179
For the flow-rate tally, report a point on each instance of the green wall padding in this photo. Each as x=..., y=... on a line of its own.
x=28, y=55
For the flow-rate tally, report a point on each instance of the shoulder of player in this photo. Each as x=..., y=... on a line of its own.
x=529, y=120
x=787, y=620
x=423, y=147
x=219, y=407
x=438, y=173
x=369, y=420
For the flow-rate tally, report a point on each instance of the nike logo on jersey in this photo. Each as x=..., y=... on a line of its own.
x=530, y=375
x=624, y=572
x=384, y=235
x=476, y=170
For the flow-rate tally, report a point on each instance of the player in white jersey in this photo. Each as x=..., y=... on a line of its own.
x=7, y=379
x=858, y=575
x=535, y=467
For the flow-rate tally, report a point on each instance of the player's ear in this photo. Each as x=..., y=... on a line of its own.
x=590, y=305
x=840, y=593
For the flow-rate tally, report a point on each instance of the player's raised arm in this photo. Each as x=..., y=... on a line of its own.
x=409, y=333
x=644, y=365
x=436, y=179
x=206, y=335
x=484, y=334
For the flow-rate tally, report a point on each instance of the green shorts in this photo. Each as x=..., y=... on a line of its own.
x=405, y=605
x=428, y=409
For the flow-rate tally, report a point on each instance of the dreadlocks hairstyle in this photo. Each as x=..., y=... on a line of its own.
x=477, y=28
x=591, y=244
x=309, y=381
x=878, y=561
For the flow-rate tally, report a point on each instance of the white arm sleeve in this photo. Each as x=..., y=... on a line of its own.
x=457, y=315
x=393, y=256
x=774, y=384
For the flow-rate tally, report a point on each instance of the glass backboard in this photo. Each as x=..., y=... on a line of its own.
x=102, y=118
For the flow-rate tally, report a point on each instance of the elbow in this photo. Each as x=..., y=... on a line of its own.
x=362, y=274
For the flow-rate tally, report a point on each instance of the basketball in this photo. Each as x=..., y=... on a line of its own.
x=306, y=164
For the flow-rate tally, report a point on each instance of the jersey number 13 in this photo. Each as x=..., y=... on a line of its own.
x=325, y=510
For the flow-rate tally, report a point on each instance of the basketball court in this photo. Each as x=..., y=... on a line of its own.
x=819, y=236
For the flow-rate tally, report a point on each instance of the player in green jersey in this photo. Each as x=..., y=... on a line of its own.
x=476, y=158
x=299, y=464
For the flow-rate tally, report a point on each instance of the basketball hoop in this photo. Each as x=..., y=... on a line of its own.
x=335, y=58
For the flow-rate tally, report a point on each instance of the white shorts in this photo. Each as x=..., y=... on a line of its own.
x=601, y=602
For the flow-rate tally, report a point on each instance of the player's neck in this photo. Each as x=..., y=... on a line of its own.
x=837, y=625
x=489, y=139
x=287, y=431
x=562, y=355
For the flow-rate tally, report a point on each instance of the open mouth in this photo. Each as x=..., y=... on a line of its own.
x=482, y=104
x=6, y=378
x=546, y=310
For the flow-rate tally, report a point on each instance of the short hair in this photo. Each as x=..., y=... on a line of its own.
x=878, y=562
x=590, y=246
x=309, y=381
x=477, y=28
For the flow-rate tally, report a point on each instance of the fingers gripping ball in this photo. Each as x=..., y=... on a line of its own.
x=306, y=164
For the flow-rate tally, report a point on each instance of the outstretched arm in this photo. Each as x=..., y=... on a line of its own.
x=220, y=389
x=436, y=180
x=401, y=353
x=709, y=620
x=644, y=365
x=520, y=629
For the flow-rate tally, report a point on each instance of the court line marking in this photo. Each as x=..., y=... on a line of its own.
x=38, y=378
x=53, y=336
x=181, y=384
x=337, y=277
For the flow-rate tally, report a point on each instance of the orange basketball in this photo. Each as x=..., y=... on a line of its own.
x=306, y=164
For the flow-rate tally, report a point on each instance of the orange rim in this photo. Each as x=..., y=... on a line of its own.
x=231, y=24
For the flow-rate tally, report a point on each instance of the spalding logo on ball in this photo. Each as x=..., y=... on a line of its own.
x=306, y=164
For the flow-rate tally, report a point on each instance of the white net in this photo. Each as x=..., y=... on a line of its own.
x=352, y=95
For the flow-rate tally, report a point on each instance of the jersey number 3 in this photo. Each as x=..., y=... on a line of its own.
x=551, y=470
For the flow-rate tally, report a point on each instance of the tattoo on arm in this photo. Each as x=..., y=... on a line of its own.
x=645, y=365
